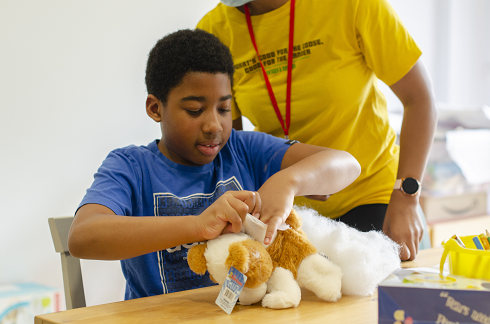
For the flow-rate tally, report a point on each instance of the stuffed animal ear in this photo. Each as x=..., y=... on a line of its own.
x=238, y=257
x=294, y=220
x=260, y=264
x=196, y=259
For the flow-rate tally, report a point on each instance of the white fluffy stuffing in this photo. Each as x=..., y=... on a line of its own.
x=366, y=258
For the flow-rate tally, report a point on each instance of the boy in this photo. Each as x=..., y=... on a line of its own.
x=202, y=176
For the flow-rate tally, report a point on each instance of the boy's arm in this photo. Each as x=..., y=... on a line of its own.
x=97, y=233
x=305, y=170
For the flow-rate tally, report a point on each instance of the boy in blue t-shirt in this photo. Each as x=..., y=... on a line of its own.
x=200, y=179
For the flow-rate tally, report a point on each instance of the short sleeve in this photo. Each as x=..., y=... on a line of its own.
x=263, y=152
x=388, y=48
x=115, y=185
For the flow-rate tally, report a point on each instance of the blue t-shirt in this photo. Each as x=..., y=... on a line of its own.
x=141, y=181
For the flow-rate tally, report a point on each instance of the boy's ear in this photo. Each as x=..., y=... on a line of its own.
x=153, y=105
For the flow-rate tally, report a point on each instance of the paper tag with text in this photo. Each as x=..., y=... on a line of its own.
x=231, y=289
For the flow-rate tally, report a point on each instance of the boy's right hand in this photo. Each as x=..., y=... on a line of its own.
x=226, y=214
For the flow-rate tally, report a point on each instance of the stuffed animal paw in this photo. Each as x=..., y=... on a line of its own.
x=282, y=290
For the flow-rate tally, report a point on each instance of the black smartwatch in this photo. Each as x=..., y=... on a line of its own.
x=409, y=186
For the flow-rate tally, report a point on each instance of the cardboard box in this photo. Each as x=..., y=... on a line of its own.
x=420, y=295
x=446, y=208
x=19, y=303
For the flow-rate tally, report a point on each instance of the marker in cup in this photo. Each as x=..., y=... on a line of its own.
x=484, y=241
x=458, y=240
x=478, y=243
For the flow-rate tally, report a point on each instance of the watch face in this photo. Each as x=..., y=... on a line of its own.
x=410, y=186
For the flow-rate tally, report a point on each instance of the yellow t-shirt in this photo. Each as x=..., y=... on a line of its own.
x=340, y=49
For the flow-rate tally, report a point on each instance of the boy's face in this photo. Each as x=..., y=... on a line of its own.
x=196, y=122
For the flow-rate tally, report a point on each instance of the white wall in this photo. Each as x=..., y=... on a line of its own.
x=469, y=52
x=72, y=89
x=454, y=36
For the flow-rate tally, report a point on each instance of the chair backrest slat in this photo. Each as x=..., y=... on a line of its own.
x=72, y=271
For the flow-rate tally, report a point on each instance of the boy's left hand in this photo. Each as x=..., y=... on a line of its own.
x=277, y=201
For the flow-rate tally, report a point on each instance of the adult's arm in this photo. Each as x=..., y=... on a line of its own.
x=402, y=222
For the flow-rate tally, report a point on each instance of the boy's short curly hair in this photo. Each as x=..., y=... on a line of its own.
x=182, y=52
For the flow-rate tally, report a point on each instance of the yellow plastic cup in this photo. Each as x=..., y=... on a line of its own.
x=466, y=261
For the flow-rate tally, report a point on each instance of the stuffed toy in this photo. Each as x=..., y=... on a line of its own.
x=274, y=274
x=310, y=251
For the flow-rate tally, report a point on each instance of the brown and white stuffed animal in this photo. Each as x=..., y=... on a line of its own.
x=274, y=275
x=240, y=251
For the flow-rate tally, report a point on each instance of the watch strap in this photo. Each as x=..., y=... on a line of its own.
x=398, y=184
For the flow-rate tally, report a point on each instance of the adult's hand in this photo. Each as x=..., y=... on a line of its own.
x=403, y=224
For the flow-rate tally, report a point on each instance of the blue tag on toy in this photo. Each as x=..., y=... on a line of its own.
x=231, y=289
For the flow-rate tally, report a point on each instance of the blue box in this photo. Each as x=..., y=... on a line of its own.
x=19, y=303
x=420, y=295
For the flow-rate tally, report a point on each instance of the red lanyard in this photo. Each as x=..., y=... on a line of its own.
x=285, y=127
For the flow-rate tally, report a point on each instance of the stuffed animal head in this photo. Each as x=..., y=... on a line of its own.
x=236, y=249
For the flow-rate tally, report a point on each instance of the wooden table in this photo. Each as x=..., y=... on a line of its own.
x=198, y=306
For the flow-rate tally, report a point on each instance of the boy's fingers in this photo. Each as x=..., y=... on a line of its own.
x=238, y=209
x=240, y=203
x=258, y=206
x=228, y=229
x=269, y=234
x=234, y=219
x=248, y=197
x=271, y=229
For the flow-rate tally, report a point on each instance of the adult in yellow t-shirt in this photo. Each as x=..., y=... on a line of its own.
x=341, y=49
